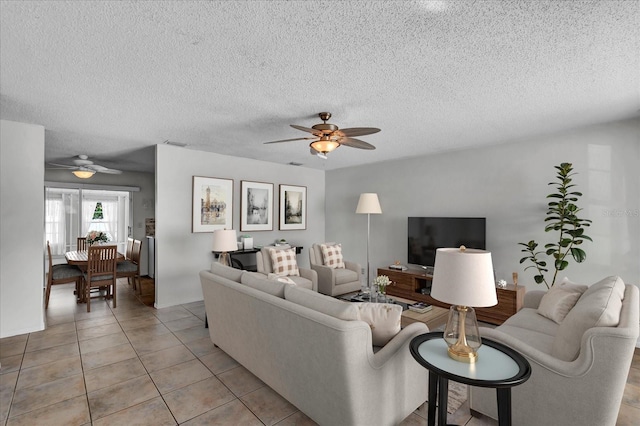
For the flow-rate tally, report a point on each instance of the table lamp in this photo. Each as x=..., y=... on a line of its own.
x=224, y=241
x=368, y=204
x=463, y=278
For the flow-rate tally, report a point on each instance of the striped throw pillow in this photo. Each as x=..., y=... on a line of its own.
x=284, y=262
x=332, y=255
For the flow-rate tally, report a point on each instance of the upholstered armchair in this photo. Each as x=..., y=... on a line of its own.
x=334, y=279
x=307, y=278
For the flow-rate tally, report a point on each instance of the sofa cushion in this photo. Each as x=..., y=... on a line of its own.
x=284, y=262
x=383, y=318
x=345, y=276
x=534, y=338
x=226, y=271
x=321, y=303
x=599, y=306
x=260, y=282
x=332, y=255
x=530, y=319
x=558, y=301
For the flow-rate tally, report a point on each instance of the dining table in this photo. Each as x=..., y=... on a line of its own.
x=80, y=258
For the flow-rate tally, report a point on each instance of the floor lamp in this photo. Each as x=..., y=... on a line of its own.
x=368, y=204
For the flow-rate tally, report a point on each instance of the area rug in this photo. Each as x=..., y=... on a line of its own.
x=457, y=396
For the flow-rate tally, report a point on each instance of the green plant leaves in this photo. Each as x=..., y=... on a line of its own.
x=562, y=217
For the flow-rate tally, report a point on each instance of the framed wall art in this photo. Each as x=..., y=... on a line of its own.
x=212, y=204
x=293, y=207
x=256, y=206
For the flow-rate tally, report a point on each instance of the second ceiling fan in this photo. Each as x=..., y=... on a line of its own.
x=328, y=136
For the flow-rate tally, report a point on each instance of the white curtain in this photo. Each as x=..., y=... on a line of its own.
x=108, y=224
x=55, y=224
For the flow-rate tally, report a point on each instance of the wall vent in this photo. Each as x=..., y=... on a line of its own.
x=293, y=163
x=172, y=143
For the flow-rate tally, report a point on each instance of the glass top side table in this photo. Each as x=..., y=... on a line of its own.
x=498, y=367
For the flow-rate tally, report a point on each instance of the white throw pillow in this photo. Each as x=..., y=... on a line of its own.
x=332, y=255
x=276, y=277
x=383, y=318
x=284, y=262
x=599, y=306
x=558, y=301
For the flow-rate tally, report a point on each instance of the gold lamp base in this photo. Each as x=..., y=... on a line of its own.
x=462, y=334
x=463, y=353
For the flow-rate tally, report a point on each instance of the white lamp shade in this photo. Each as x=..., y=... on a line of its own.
x=224, y=240
x=464, y=277
x=368, y=204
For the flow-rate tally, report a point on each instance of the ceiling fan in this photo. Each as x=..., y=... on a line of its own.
x=329, y=137
x=85, y=168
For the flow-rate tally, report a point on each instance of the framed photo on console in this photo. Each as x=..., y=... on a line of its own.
x=293, y=207
x=212, y=204
x=256, y=206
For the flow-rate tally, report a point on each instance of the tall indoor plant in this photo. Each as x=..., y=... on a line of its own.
x=562, y=217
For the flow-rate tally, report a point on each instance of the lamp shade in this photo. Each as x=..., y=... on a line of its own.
x=368, y=204
x=224, y=240
x=464, y=277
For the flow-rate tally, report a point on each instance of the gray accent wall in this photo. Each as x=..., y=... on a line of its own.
x=507, y=184
x=181, y=254
x=21, y=228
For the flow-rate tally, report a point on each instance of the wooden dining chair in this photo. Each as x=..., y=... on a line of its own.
x=101, y=272
x=82, y=243
x=61, y=274
x=130, y=268
x=127, y=253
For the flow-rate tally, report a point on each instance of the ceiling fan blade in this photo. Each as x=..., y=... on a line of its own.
x=101, y=169
x=289, y=140
x=307, y=129
x=63, y=166
x=355, y=143
x=356, y=131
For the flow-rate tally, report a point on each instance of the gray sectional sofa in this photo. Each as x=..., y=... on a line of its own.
x=326, y=366
x=579, y=362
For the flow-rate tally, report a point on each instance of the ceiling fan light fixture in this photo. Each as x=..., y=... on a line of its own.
x=324, y=146
x=83, y=174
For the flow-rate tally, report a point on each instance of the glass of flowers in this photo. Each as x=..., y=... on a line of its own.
x=97, y=237
x=381, y=282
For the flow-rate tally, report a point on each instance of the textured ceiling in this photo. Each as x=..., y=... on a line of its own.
x=111, y=78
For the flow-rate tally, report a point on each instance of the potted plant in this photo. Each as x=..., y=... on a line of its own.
x=562, y=217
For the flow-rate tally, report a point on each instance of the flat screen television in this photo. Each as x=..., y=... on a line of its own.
x=426, y=234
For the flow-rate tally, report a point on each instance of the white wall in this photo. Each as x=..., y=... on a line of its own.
x=143, y=204
x=181, y=254
x=21, y=228
x=507, y=184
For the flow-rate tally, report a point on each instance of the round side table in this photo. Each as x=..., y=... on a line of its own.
x=498, y=366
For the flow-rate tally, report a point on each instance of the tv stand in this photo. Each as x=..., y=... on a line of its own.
x=415, y=284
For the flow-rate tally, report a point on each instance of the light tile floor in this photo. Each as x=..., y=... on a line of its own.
x=138, y=365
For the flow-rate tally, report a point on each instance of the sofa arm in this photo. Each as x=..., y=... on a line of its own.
x=398, y=341
x=325, y=278
x=532, y=299
x=353, y=266
x=311, y=275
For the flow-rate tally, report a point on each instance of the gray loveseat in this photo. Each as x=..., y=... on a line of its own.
x=579, y=365
x=323, y=365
